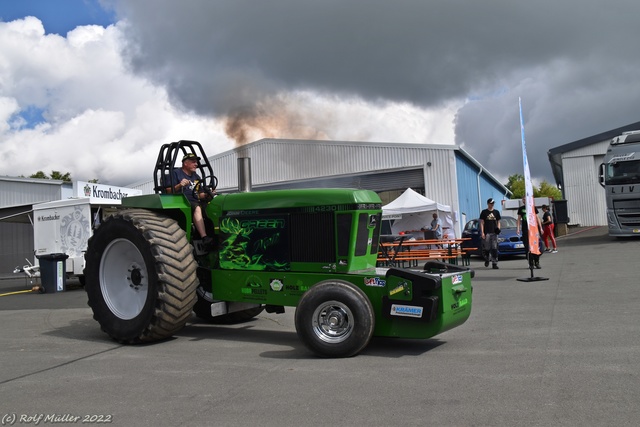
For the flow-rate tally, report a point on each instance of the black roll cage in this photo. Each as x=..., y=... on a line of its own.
x=173, y=152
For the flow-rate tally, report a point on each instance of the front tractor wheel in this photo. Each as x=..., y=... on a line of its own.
x=334, y=319
x=140, y=276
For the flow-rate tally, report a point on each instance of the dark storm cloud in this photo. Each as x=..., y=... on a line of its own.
x=574, y=63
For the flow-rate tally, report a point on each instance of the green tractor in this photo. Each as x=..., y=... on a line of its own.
x=314, y=249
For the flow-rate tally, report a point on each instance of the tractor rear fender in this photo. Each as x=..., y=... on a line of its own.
x=175, y=206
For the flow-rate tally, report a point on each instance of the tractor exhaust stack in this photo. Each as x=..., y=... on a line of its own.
x=244, y=174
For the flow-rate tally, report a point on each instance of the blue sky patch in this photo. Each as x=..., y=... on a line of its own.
x=60, y=16
x=28, y=118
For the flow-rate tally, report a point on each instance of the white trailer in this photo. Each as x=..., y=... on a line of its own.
x=65, y=226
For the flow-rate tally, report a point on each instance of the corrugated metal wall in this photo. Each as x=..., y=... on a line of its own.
x=467, y=190
x=281, y=160
x=27, y=191
x=474, y=188
x=586, y=203
x=598, y=149
x=380, y=181
x=17, y=245
x=145, y=187
x=16, y=238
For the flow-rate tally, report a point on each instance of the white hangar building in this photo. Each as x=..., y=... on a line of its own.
x=444, y=173
x=575, y=168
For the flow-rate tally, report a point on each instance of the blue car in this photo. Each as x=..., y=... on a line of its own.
x=509, y=243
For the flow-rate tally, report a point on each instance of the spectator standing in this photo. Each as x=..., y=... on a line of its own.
x=548, y=230
x=489, y=230
x=436, y=226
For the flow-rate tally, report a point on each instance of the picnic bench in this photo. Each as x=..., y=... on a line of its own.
x=403, y=253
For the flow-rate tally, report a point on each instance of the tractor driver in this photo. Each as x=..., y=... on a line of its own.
x=187, y=179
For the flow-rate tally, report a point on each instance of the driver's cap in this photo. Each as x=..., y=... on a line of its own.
x=190, y=156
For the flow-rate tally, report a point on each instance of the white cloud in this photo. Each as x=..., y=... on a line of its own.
x=350, y=118
x=101, y=121
x=8, y=107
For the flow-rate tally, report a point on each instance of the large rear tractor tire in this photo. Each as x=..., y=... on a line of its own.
x=335, y=319
x=140, y=276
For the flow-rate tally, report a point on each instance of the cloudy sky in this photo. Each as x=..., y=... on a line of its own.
x=94, y=87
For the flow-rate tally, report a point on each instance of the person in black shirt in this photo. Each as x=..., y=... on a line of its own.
x=489, y=230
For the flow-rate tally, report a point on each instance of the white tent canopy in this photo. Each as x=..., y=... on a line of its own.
x=413, y=211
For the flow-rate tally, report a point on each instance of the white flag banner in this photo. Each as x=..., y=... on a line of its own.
x=532, y=218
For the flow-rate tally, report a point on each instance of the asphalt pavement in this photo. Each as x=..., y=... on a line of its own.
x=558, y=352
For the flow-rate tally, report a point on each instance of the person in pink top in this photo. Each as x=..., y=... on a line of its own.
x=548, y=229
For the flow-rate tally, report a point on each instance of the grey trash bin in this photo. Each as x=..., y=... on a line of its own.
x=53, y=274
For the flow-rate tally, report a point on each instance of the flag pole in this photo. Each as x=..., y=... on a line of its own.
x=530, y=206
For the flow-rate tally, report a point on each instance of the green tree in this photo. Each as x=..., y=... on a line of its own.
x=549, y=190
x=39, y=175
x=54, y=175
x=516, y=186
x=60, y=176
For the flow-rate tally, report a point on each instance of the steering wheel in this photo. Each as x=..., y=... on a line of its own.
x=207, y=184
